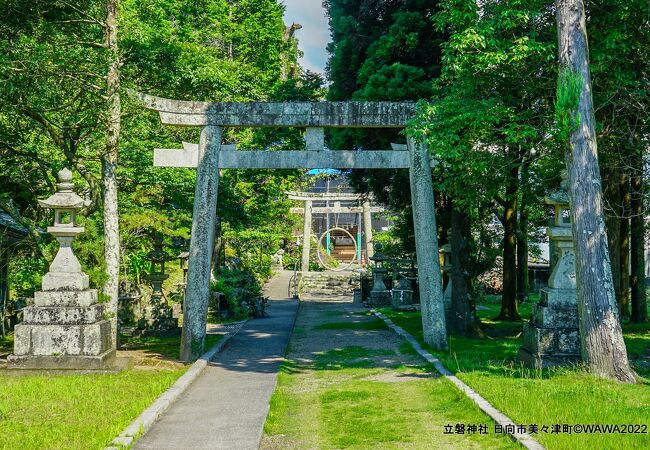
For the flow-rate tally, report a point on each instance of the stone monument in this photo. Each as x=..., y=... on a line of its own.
x=379, y=295
x=403, y=295
x=158, y=315
x=65, y=329
x=277, y=263
x=551, y=337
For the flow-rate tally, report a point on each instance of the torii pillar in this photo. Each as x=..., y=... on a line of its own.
x=367, y=230
x=306, y=236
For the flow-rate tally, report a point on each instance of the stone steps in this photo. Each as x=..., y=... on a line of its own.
x=329, y=283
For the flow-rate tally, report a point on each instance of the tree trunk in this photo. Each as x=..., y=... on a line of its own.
x=109, y=166
x=603, y=348
x=624, y=297
x=4, y=285
x=509, y=296
x=462, y=309
x=612, y=195
x=522, y=238
x=637, y=243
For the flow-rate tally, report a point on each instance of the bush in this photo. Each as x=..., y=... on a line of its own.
x=241, y=289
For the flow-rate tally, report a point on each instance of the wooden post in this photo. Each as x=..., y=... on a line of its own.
x=426, y=244
x=195, y=307
x=306, y=236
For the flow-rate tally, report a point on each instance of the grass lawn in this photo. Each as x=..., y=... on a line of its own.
x=550, y=396
x=352, y=384
x=86, y=411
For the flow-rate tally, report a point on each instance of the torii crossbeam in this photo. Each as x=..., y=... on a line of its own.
x=208, y=156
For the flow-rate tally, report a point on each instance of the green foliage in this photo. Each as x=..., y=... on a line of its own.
x=382, y=51
x=241, y=289
x=391, y=244
x=569, y=87
x=52, y=114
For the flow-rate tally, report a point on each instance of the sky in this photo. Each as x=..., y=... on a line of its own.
x=314, y=35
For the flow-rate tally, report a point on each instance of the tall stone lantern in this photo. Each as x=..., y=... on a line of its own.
x=158, y=315
x=379, y=295
x=65, y=329
x=551, y=337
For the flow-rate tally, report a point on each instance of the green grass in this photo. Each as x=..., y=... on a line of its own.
x=84, y=411
x=168, y=347
x=548, y=396
x=316, y=407
x=348, y=357
x=357, y=325
x=75, y=411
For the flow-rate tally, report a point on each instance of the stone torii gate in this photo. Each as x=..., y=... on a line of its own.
x=209, y=156
x=337, y=197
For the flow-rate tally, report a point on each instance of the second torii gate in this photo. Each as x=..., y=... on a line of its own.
x=209, y=156
x=337, y=197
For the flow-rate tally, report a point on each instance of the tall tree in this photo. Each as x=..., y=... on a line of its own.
x=603, y=348
x=484, y=127
x=637, y=245
x=109, y=164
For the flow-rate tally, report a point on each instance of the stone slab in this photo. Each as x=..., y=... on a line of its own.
x=554, y=317
x=551, y=340
x=102, y=362
x=62, y=340
x=315, y=139
x=65, y=281
x=558, y=297
x=288, y=159
x=22, y=339
x=543, y=361
x=336, y=210
x=65, y=298
x=269, y=114
x=380, y=298
x=63, y=315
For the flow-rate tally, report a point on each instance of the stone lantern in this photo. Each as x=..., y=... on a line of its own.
x=158, y=315
x=551, y=337
x=183, y=257
x=445, y=256
x=379, y=295
x=65, y=329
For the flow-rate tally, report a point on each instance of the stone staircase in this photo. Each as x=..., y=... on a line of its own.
x=329, y=283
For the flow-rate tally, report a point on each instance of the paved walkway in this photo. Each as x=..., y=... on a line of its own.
x=226, y=407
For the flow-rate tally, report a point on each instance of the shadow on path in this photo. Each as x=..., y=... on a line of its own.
x=226, y=407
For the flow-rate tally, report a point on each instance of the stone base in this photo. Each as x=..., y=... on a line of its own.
x=55, y=340
x=554, y=297
x=542, y=360
x=158, y=318
x=402, y=299
x=551, y=340
x=379, y=298
x=105, y=361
